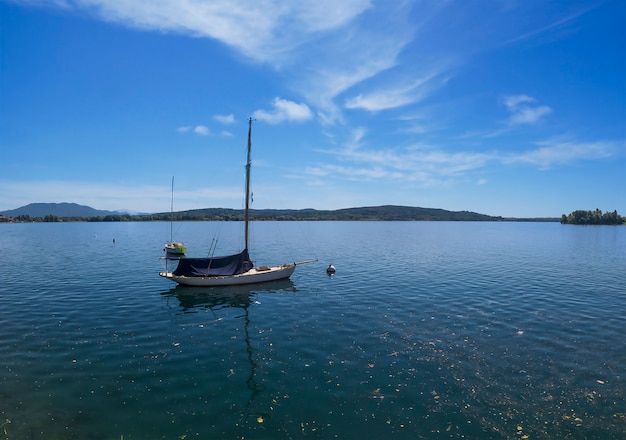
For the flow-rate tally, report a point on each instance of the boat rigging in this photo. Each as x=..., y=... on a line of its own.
x=234, y=269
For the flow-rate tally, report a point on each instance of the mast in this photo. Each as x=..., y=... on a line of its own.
x=172, y=213
x=248, y=164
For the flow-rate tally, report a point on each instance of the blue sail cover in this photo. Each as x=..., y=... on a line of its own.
x=214, y=267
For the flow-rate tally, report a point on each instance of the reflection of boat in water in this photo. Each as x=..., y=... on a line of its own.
x=239, y=297
x=215, y=298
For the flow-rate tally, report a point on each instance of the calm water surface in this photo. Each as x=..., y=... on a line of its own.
x=427, y=330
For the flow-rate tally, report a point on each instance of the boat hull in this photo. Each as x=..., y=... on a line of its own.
x=175, y=249
x=253, y=276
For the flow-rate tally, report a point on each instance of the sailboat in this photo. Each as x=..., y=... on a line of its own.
x=230, y=270
x=173, y=249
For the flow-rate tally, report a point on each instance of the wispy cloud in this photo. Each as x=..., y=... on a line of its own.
x=561, y=22
x=324, y=47
x=431, y=164
x=365, y=47
x=284, y=110
x=261, y=30
x=201, y=130
x=558, y=152
x=417, y=163
x=524, y=109
x=115, y=196
x=64, y=4
x=393, y=97
x=225, y=119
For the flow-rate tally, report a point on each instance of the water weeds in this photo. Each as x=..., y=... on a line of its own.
x=4, y=428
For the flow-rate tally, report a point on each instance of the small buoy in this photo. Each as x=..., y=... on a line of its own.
x=330, y=269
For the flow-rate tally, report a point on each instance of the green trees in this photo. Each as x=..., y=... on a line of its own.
x=596, y=217
x=50, y=218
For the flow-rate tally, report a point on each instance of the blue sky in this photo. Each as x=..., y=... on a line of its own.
x=503, y=107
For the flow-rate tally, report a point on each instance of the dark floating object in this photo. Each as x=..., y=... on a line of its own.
x=330, y=269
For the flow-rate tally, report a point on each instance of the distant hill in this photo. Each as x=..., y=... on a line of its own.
x=371, y=213
x=58, y=209
x=390, y=212
x=75, y=212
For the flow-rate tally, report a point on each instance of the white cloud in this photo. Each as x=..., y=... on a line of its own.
x=379, y=101
x=529, y=115
x=284, y=110
x=323, y=46
x=201, y=130
x=419, y=163
x=557, y=152
x=430, y=164
x=347, y=58
x=561, y=22
x=260, y=29
x=427, y=165
x=225, y=119
x=394, y=97
x=64, y=4
x=513, y=101
x=524, y=110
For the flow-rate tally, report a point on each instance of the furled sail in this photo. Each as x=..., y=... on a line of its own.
x=214, y=267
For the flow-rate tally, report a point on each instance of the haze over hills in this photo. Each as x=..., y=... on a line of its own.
x=388, y=212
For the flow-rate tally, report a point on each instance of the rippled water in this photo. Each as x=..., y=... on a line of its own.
x=427, y=330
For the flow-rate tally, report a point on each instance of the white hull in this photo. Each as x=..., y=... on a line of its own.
x=253, y=276
x=174, y=248
x=228, y=264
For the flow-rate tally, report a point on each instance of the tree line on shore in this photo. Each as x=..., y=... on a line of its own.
x=596, y=217
x=379, y=213
x=376, y=213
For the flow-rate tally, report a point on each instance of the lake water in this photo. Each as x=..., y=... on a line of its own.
x=429, y=330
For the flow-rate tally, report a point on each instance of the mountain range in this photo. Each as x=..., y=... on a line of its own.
x=58, y=209
x=387, y=212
